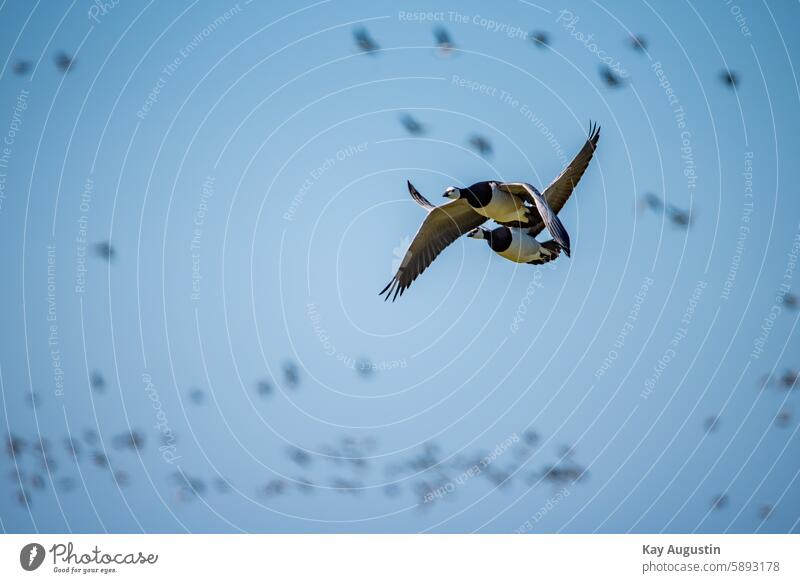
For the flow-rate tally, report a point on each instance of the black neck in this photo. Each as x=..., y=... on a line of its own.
x=499, y=239
x=478, y=195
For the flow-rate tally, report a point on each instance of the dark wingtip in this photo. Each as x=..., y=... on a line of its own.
x=388, y=286
x=594, y=132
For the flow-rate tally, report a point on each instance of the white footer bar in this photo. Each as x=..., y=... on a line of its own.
x=355, y=558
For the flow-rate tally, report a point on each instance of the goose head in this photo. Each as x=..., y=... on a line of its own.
x=452, y=193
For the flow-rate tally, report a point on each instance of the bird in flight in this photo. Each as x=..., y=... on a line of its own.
x=364, y=41
x=730, y=78
x=541, y=39
x=610, y=78
x=443, y=41
x=412, y=126
x=517, y=245
x=481, y=145
x=514, y=205
x=638, y=43
x=64, y=62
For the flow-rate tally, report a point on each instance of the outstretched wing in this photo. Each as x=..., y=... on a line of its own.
x=418, y=198
x=561, y=188
x=547, y=216
x=443, y=225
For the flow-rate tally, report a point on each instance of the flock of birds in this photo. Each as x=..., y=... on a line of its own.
x=345, y=465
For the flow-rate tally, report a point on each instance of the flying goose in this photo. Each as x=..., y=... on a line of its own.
x=467, y=211
x=517, y=245
x=505, y=203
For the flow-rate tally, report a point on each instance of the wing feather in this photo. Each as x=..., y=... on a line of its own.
x=546, y=215
x=418, y=198
x=561, y=188
x=443, y=225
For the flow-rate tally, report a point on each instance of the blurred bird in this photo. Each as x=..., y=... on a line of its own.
x=719, y=501
x=41, y=446
x=609, y=77
x=274, y=487
x=37, y=482
x=730, y=78
x=365, y=367
x=105, y=251
x=679, y=217
x=291, y=375
x=566, y=451
x=221, y=485
x=300, y=457
x=100, y=459
x=34, y=399
x=188, y=487
x=443, y=40
x=711, y=423
x=783, y=418
x=264, y=388
x=22, y=497
x=540, y=39
x=197, y=395
x=73, y=446
x=391, y=490
x=97, y=381
x=765, y=511
x=364, y=41
x=121, y=478
x=15, y=446
x=64, y=62
x=411, y=125
x=789, y=379
x=563, y=473
x=129, y=440
x=21, y=67
x=304, y=485
x=790, y=301
x=651, y=201
x=530, y=437
x=481, y=145
x=90, y=436
x=638, y=43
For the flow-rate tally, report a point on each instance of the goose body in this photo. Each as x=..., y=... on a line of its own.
x=488, y=200
x=517, y=245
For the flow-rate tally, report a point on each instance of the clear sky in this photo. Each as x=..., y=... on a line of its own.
x=248, y=166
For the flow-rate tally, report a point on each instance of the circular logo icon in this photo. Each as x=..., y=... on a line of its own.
x=31, y=556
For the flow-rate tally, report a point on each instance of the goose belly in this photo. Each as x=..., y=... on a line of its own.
x=504, y=208
x=523, y=249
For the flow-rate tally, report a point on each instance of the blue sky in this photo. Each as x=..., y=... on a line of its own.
x=247, y=163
